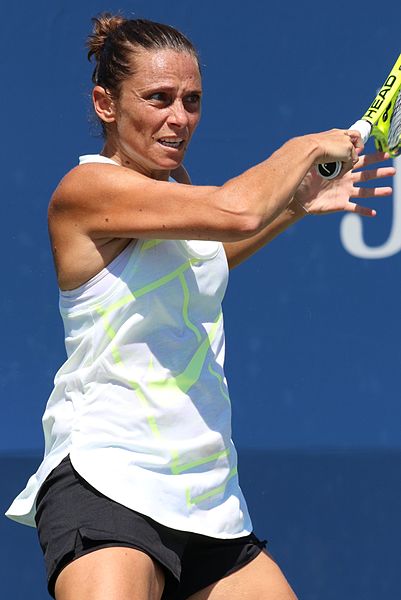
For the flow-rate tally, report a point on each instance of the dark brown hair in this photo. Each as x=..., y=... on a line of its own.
x=114, y=40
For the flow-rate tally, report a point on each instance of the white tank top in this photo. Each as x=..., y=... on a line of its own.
x=141, y=403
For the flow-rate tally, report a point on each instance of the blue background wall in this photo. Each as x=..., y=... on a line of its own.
x=312, y=322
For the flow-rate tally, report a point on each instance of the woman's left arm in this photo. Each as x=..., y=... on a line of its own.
x=317, y=196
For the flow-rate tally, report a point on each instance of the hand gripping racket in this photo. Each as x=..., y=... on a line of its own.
x=382, y=120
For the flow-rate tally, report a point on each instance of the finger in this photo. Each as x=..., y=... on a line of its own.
x=372, y=192
x=356, y=138
x=371, y=158
x=378, y=173
x=364, y=211
x=347, y=166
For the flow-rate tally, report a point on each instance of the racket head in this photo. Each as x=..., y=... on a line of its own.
x=384, y=114
x=387, y=131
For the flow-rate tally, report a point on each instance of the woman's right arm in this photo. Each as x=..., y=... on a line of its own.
x=107, y=201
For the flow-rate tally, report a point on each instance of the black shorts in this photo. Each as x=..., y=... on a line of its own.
x=74, y=519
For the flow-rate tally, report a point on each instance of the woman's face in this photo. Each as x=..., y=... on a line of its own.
x=157, y=112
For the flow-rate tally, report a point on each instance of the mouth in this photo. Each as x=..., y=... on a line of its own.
x=176, y=143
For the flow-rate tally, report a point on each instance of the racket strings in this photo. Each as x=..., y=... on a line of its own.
x=394, y=134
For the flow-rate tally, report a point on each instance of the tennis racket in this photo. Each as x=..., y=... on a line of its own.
x=382, y=121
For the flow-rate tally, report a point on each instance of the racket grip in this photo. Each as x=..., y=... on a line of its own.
x=332, y=170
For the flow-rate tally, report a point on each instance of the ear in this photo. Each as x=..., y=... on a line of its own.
x=103, y=104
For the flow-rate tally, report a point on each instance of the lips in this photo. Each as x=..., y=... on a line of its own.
x=171, y=142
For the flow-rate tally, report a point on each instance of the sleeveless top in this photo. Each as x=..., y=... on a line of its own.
x=141, y=404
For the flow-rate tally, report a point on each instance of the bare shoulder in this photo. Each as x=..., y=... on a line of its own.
x=85, y=182
x=78, y=256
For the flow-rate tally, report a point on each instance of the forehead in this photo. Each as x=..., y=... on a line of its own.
x=153, y=67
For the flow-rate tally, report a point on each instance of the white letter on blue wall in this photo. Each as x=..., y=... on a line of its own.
x=351, y=228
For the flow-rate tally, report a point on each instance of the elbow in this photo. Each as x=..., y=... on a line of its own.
x=245, y=225
x=240, y=219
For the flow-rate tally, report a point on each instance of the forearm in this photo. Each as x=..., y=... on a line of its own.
x=238, y=252
x=266, y=189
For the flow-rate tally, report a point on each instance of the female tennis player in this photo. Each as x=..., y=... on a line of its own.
x=137, y=497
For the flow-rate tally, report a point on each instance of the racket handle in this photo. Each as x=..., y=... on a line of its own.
x=332, y=170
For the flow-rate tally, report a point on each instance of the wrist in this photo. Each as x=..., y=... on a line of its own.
x=297, y=209
x=308, y=146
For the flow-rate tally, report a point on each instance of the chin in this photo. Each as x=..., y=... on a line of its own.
x=169, y=159
x=168, y=164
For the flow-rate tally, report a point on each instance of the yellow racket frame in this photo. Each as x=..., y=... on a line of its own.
x=380, y=111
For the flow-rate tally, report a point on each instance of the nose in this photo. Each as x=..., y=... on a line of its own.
x=178, y=115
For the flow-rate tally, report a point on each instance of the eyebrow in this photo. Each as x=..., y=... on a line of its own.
x=166, y=88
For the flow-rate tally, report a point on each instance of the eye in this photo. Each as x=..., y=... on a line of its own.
x=160, y=98
x=192, y=102
x=192, y=99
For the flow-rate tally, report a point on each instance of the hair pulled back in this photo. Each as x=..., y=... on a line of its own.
x=115, y=39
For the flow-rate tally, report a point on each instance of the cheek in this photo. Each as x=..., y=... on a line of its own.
x=133, y=129
x=140, y=124
x=147, y=124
